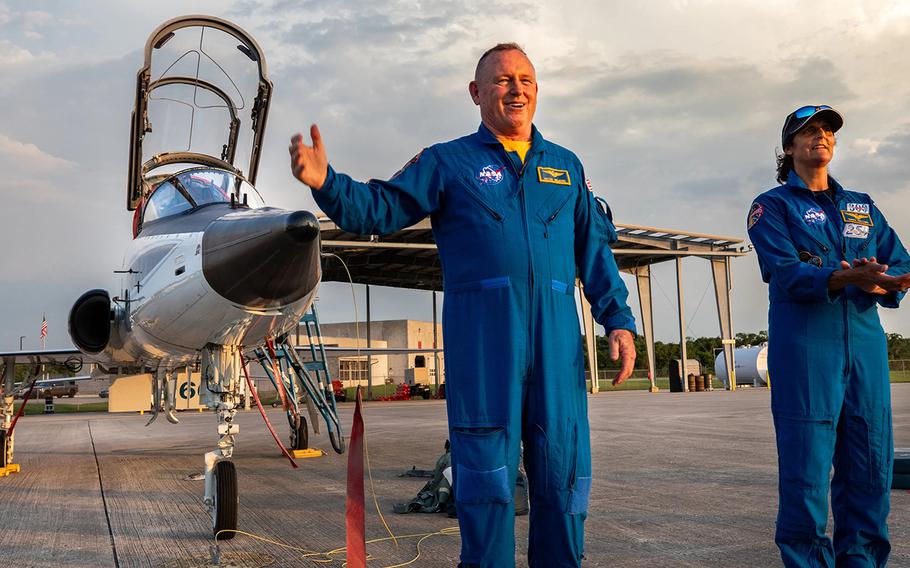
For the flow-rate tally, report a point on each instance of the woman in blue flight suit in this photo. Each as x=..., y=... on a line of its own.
x=829, y=258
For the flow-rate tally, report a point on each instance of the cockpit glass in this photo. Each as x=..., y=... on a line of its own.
x=166, y=200
x=200, y=99
x=203, y=186
x=207, y=186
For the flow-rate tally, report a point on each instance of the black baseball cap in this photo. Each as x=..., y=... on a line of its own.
x=798, y=118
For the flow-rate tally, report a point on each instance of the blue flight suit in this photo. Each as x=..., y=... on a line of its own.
x=828, y=367
x=511, y=239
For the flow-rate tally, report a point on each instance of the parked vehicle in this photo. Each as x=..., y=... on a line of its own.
x=50, y=388
x=341, y=394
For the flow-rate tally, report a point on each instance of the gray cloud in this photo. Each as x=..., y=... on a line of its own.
x=675, y=111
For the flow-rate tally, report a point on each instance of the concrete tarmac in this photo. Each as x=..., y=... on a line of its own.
x=681, y=480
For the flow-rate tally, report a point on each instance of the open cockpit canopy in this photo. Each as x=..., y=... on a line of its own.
x=202, y=99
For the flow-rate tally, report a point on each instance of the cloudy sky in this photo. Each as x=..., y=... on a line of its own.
x=674, y=106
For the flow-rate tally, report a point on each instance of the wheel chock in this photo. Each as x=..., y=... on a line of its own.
x=11, y=468
x=307, y=453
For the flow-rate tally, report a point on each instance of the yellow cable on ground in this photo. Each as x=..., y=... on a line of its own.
x=448, y=531
x=366, y=454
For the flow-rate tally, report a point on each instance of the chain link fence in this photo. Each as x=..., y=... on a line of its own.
x=900, y=369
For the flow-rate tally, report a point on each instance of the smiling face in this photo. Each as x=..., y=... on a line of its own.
x=505, y=88
x=813, y=145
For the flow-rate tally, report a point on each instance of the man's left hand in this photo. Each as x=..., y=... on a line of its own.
x=622, y=347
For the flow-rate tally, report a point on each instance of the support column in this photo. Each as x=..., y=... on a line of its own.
x=9, y=378
x=435, y=345
x=6, y=447
x=723, y=286
x=587, y=319
x=682, y=325
x=369, y=345
x=643, y=280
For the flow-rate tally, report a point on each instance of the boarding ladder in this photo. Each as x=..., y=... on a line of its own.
x=310, y=378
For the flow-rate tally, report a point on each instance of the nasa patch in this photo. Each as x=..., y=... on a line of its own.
x=858, y=208
x=854, y=231
x=490, y=175
x=755, y=214
x=814, y=216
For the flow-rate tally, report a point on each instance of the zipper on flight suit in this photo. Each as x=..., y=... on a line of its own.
x=524, y=218
x=844, y=299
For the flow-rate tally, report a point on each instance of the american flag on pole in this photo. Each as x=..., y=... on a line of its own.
x=44, y=327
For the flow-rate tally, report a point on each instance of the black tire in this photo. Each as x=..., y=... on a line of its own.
x=337, y=442
x=3, y=439
x=901, y=481
x=227, y=500
x=902, y=460
x=300, y=434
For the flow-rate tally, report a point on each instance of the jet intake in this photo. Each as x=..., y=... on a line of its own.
x=90, y=321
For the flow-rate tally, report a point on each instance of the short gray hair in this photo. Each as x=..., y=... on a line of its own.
x=496, y=48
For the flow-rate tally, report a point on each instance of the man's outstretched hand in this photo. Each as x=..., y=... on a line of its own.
x=309, y=164
x=622, y=347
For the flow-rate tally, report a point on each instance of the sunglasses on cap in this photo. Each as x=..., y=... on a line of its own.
x=809, y=110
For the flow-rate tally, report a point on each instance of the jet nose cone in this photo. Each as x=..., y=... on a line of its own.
x=302, y=226
x=262, y=258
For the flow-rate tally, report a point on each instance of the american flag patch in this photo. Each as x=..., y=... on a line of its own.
x=589, y=184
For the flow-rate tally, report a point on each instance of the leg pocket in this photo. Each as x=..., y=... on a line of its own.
x=869, y=449
x=481, y=472
x=805, y=450
x=579, y=496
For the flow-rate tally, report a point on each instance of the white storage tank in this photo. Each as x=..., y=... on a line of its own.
x=751, y=366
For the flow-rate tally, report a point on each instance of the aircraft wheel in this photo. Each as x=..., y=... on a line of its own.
x=227, y=500
x=4, y=448
x=300, y=435
x=337, y=442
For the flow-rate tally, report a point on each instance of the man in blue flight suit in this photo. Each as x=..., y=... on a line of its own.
x=829, y=258
x=514, y=224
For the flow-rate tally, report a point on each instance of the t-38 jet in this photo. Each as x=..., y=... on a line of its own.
x=212, y=277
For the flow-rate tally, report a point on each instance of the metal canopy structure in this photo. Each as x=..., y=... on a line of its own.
x=408, y=259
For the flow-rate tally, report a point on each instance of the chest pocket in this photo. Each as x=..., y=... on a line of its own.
x=553, y=212
x=815, y=239
x=859, y=234
x=469, y=208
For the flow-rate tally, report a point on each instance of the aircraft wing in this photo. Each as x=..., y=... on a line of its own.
x=51, y=356
x=372, y=350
